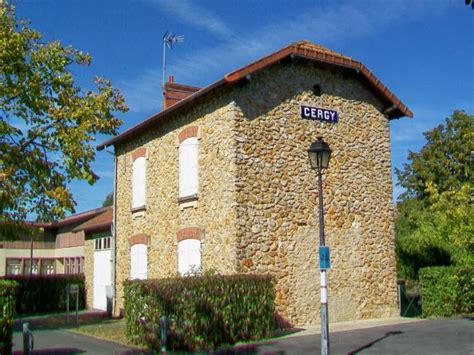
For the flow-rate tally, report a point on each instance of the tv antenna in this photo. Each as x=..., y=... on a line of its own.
x=168, y=39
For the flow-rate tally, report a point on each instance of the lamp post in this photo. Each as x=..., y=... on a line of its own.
x=319, y=155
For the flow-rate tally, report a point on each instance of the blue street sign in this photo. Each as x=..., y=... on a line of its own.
x=324, y=259
x=319, y=114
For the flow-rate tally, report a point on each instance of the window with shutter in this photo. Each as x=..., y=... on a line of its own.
x=188, y=167
x=139, y=183
x=189, y=256
x=138, y=262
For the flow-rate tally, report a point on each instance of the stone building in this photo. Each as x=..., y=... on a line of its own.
x=80, y=243
x=220, y=180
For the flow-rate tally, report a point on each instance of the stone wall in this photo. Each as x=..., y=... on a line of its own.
x=277, y=193
x=89, y=271
x=215, y=211
x=258, y=197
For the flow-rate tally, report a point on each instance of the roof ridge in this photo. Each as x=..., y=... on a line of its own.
x=304, y=44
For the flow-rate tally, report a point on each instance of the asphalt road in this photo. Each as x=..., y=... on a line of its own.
x=443, y=336
x=61, y=342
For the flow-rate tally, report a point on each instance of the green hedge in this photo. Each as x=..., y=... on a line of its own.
x=447, y=290
x=8, y=291
x=207, y=311
x=46, y=293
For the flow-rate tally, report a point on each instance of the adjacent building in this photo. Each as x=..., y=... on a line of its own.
x=77, y=244
x=220, y=180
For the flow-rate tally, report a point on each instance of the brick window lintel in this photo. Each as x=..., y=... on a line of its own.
x=189, y=233
x=139, y=239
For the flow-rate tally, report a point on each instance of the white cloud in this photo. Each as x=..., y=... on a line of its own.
x=194, y=15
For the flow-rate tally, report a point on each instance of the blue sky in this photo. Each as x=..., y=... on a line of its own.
x=422, y=50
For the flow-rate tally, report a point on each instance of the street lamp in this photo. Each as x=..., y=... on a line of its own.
x=319, y=155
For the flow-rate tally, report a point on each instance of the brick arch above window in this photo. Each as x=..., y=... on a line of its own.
x=139, y=239
x=189, y=233
x=138, y=153
x=188, y=132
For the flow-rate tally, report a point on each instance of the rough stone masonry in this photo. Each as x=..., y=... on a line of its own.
x=257, y=204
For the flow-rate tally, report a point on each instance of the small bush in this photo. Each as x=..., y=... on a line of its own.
x=447, y=290
x=206, y=311
x=47, y=293
x=8, y=291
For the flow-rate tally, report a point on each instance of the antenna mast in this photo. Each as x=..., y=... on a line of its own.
x=168, y=39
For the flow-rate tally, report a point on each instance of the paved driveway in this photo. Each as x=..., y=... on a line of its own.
x=64, y=342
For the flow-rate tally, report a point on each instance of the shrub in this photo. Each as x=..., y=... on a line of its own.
x=447, y=290
x=207, y=311
x=47, y=293
x=7, y=312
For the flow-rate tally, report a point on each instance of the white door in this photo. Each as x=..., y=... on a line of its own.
x=102, y=277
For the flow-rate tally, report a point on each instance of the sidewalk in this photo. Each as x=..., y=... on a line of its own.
x=352, y=325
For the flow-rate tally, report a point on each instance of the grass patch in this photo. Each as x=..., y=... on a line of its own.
x=110, y=329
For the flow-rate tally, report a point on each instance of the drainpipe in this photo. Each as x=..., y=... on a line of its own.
x=113, y=232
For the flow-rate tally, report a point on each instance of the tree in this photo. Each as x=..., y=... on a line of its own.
x=435, y=223
x=47, y=122
x=109, y=200
x=445, y=161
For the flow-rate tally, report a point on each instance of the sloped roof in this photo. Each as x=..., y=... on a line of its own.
x=99, y=223
x=302, y=49
x=75, y=218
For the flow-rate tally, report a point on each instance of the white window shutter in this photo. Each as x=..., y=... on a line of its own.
x=139, y=182
x=181, y=258
x=139, y=262
x=188, y=167
x=143, y=262
x=189, y=256
x=195, y=255
x=133, y=262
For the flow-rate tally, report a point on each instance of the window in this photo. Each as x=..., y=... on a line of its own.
x=102, y=243
x=188, y=167
x=138, y=262
x=22, y=266
x=139, y=182
x=34, y=269
x=80, y=265
x=47, y=266
x=189, y=256
x=73, y=265
x=13, y=266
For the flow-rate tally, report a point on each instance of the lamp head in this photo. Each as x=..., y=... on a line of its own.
x=319, y=154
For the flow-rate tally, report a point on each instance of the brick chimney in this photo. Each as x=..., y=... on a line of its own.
x=174, y=92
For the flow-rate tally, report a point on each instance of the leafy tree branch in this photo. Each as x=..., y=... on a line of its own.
x=48, y=123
